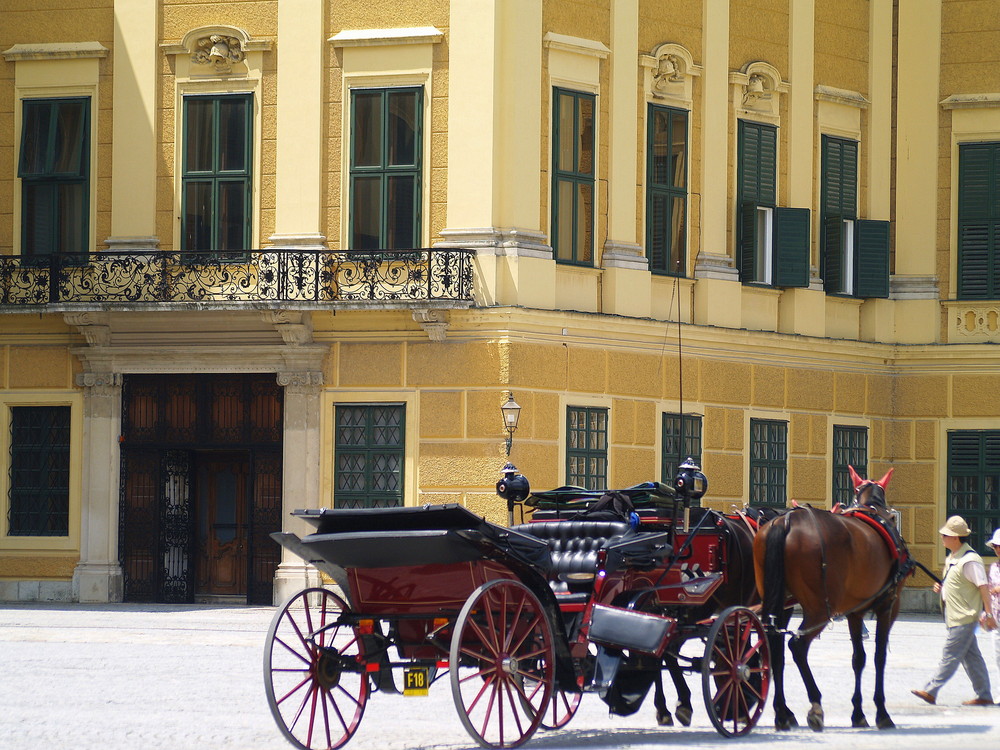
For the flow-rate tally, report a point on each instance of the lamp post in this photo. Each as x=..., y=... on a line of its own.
x=511, y=412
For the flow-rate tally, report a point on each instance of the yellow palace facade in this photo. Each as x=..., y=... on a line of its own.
x=259, y=256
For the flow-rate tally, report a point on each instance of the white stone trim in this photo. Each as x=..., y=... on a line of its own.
x=840, y=96
x=383, y=37
x=576, y=45
x=971, y=101
x=55, y=51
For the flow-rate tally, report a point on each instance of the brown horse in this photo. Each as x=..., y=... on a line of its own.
x=833, y=565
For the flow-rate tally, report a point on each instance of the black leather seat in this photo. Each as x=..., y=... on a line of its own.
x=573, y=548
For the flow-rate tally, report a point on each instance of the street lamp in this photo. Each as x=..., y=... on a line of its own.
x=511, y=411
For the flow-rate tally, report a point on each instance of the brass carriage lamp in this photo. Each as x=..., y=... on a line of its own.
x=511, y=412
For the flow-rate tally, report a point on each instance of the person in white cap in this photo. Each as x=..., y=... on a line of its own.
x=966, y=603
x=994, y=584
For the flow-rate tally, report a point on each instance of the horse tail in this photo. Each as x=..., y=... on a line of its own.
x=773, y=595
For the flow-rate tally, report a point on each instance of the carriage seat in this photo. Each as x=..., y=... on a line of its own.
x=573, y=548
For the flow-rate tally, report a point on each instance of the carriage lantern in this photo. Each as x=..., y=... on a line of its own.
x=512, y=487
x=690, y=483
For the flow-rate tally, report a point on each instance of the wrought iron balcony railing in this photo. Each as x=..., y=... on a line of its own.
x=137, y=278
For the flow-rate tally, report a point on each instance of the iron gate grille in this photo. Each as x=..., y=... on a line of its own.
x=166, y=421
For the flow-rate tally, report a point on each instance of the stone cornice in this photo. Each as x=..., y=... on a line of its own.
x=385, y=37
x=840, y=96
x=55, y=51
x=971, y=101
x=575, y=44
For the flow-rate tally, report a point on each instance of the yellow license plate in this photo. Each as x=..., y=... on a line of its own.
x=416, y=681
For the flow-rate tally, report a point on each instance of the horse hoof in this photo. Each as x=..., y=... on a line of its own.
x=860, y=723
x=815, y=721
x=885, y=723
x=664, y=720
x=684, y=715
x=786, y=723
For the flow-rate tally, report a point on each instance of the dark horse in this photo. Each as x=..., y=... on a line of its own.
x=834, y=564
x=738, y=588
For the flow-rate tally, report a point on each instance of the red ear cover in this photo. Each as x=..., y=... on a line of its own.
x=885, y=480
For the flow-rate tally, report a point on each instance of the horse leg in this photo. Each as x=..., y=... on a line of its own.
x=663, y=717
x=855, y=624
x=783, y=718
x=683, y=709
x=799, y=646
x=884, y=623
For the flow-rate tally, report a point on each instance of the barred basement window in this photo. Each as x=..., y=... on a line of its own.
x=587, y=447
x=850, y=448
x=974, y=481
x=681, y=440
x=768, y=462
x=369, y=455
x=39, y=471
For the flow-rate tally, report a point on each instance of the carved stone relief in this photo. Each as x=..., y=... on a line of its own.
x=219, y=51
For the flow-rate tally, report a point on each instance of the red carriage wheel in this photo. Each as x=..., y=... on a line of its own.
x=314, y=671
x=502, y=664
x=736, y=671
x=562, y=708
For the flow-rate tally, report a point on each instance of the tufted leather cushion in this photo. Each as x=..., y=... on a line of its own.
x=573, y=547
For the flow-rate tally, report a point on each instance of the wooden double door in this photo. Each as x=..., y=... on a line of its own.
x=200, y=487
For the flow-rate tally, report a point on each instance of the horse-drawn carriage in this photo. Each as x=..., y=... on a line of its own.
x=598, y=592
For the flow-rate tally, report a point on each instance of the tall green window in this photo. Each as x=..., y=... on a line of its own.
x=216, y=183
x=681, y=440
x=854, y=253
x=768, y=462
x=666, y=189
x=54, y=167
x=386, y=127
x=573, y=176
x=974, y=481
x=979, y=221
x=587, y=447
x=772, y=242
x=850, y=448
x=369, y=455
x=39, y=471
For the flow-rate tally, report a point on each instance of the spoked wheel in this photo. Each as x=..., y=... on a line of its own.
x=562, y=708
x=736, y=671
x=502, y=664
x=314, y=671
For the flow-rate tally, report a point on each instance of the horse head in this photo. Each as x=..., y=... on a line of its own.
x=870, y=492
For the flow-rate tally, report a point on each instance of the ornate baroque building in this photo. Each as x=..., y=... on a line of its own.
x=258, y=256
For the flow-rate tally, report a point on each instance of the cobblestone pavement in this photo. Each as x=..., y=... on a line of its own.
x=117, y=677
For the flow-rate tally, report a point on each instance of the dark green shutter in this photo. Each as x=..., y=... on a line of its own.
x=757, y=159
x=833, y=239
x=746, y=250
x=978, y=220
x=791, y=247
x=871, y=247
x=975, y=248
x=767, y=192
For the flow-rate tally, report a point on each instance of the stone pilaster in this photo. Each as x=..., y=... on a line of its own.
x=300, y=474
x=98, y=576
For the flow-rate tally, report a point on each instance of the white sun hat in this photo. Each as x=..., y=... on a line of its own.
x=955, y=526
